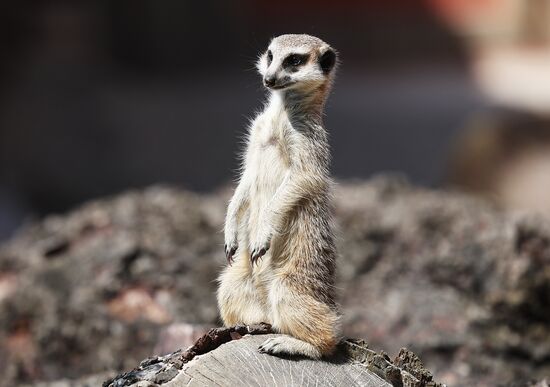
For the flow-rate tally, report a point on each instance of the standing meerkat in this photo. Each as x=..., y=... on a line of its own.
x=279, y=238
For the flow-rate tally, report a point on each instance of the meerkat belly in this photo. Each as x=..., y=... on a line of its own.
x=270, y=171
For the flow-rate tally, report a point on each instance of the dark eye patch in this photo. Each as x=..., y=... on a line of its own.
x=269, y=57
x=295, y=60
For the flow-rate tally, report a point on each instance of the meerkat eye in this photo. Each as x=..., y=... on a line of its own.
x=269, y=57
x=295, y=60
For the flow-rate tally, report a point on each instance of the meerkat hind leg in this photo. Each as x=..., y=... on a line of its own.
x=240, y=301
x=309, y=326
x=288, y=345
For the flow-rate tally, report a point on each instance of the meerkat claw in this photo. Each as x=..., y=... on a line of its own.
x=229, y=253
x=254, y=257
x=257, y=254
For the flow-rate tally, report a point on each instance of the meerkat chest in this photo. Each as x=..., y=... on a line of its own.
x=272, y=140
x=270, y=154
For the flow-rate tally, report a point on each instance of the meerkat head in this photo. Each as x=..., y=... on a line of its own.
x=297, y=62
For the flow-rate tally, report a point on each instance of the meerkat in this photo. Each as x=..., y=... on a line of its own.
x=279, y=239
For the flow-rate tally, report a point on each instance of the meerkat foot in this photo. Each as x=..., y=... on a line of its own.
x=289, y=346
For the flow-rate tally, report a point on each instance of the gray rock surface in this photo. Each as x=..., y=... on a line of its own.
x=463, y=285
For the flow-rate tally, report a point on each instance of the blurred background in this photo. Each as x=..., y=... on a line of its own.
x=101, y=96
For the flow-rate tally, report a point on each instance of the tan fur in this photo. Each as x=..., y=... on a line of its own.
x=278, y=227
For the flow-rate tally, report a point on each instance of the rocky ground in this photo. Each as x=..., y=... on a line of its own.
x=462, y=284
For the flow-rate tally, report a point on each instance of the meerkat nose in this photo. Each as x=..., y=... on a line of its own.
x=270, y=81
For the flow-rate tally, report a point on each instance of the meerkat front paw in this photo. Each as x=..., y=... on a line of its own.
x=258, y=252
x=260, y=245
x=230, y=250
x=261, y=242
x=231, y=244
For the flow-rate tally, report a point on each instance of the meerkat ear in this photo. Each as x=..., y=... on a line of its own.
x=327, y=60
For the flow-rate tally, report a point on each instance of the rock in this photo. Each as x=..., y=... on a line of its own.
x=462, y=284
x=90, y=291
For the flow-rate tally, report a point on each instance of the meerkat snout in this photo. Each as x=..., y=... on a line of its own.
x=269, y=81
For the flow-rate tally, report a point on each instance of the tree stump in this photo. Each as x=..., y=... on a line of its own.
x=230, y=357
